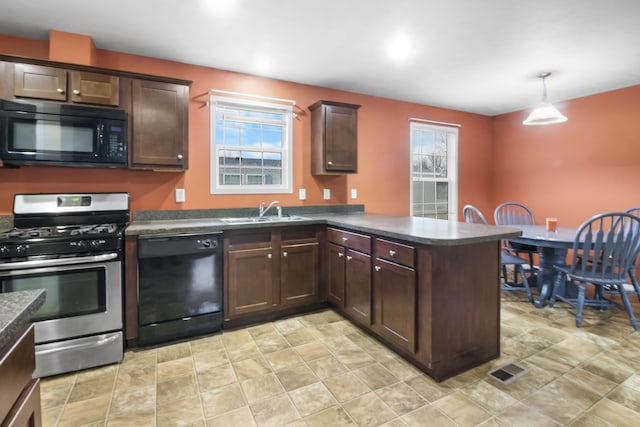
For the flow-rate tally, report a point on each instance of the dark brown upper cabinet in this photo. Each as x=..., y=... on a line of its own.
x=57, y=84
x=334, y=138
x=159, y=125
x=95, y=88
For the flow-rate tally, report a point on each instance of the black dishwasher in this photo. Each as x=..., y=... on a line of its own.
x=179, y=286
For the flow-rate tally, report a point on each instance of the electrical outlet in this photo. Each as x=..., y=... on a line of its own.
x=180, y=196
x=326, y=194
x=354, y=193
x=302, y=194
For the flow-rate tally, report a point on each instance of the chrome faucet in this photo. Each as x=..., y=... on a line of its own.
x=263, y=209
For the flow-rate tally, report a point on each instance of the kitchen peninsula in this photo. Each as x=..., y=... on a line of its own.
x=20, y=402
x=428, y=289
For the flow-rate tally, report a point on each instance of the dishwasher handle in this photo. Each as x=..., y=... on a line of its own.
x=161, y=245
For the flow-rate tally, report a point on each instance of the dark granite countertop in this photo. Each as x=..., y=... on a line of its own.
x=16, y=309
x=418, y=230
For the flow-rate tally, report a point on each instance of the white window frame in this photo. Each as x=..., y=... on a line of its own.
x=452, y=166
x=286, y=186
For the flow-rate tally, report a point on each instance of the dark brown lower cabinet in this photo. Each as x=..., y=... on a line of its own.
x=334, y=274
x=270, y=272
x=19, y=393
x=395, y=300
x=250, y=281
x=358, y=286
x=299, y=273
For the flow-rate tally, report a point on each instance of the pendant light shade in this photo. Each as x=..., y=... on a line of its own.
x=545, y=113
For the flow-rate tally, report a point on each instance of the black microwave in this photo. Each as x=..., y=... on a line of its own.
x=62, y=134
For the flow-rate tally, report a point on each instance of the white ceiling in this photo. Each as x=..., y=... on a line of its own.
x=480, y=56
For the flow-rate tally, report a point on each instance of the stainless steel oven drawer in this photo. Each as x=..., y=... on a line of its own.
x=79, y=353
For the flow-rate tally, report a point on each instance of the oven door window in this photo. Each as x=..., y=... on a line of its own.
x=69, y=293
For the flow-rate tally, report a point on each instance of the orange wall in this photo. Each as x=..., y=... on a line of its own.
x=383, y=142
x=572, y=170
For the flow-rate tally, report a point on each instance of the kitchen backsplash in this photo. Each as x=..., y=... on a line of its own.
x=238, y=212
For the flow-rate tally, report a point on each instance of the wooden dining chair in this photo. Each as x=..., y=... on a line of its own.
x=614, y=240
x=473, y=215
x=632, y=271
x=514, y=213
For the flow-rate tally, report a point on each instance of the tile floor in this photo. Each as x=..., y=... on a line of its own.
x=320, y=370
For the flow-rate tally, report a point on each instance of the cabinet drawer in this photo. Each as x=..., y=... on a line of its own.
x=396, y=252
x=16, y=367
x=359, y=242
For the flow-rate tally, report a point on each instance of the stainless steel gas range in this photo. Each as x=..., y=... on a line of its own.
x=71, y=245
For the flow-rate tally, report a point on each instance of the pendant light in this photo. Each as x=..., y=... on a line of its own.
x=545, y=113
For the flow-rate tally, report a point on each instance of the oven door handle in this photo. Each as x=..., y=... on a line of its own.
x=57, y=261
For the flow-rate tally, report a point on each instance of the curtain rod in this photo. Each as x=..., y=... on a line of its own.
x=413, y=119
x=250, y=95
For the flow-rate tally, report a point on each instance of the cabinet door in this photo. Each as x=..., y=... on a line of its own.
x=95, y=88
x=395, y=294
x=341, y=139
x=26, y=412
x=36, y=81
x=250, y=281
x=300, y=273
x=335, y=274
x=358, y=286
x=159, y=125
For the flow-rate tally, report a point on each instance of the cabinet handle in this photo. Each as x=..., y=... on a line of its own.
x=179, y=156
x=60, y=90
x=377, y=268
x=349, y=258
x=269, y=256
x=392, y=252
x=284, y=254
x=340, y=255
x=76, y=92
x=344, y=239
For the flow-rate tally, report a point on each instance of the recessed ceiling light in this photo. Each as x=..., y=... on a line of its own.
x=399, y=47
x=219, y=6
x=262, y=65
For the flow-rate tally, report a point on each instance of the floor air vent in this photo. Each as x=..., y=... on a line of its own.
x=507, y=373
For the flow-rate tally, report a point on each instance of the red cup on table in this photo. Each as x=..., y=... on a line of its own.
x=552, y=224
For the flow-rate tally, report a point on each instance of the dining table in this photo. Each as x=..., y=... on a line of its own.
x=553, y=247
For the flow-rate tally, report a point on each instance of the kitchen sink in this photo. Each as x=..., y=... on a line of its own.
x=263, y=219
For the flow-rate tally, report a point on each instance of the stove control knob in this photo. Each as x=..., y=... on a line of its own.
x=78, y=244
x=21, y=248
x=97, y=243
x=4, y=250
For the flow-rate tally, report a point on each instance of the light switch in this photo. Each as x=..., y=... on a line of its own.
x=326, y=194
x=354, y=193
x=180, y=197
x=302, y=194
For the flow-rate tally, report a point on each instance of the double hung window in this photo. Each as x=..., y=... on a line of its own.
x=434, y=171
x=251, y=144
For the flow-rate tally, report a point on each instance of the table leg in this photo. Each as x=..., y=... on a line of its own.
x=548, y=258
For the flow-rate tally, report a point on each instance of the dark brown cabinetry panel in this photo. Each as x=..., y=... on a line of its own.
x=250, y=281
x=335, y=274
x=269, y=272
x=50, y=83
x=159, y=125
x=358, y=286
x=348, y=274
x=19, y=393
x=334, y=138
x=95, y=88
x=395, y=295
x=299, y=273
x=36, y=81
